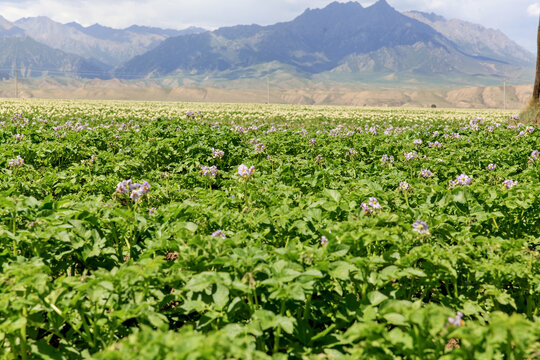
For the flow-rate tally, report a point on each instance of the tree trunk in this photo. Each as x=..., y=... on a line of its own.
x=536, y=89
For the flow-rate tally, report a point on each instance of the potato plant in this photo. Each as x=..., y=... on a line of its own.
x=208, y=231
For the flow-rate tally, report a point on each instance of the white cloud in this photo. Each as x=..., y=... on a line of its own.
x=533, y=9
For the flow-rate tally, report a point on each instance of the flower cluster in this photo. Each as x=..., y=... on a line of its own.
x=509, y=183
x=351, y=152
x=217, y=154
x=411, y=155
x=387, y=159
x=435, y=144
x=534, y=156
x=373, y=204
x=312, y=141
x=461, y=180
x=18, y=136
x=260, y=148
x=420, y=227
x=209, y=170
x=135, y=190
x=245, y=172
x=18, y=161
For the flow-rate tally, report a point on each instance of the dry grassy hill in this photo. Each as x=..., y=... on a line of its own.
x=469, y=97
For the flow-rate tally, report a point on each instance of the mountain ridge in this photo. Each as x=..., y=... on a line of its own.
x=340, y=42
x=325, y=40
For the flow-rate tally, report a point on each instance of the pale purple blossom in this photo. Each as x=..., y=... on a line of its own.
x=420, y=227
x=456, y=321
x=366, y=208
x=403, y=185
x=426, y=173
x=509, y=183
x=219, y=233
x=374, y=203
x=324, y=240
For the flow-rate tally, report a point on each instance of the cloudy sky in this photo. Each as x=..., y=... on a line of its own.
x=516, y=18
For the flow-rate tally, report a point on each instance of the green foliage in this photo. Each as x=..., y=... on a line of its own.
x=295, y=260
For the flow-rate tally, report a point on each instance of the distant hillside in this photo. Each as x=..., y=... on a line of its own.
x=341, y=38
x=105, y=44
x=467, y=97
x=33, y=59
x=7, y=29
x=477, y=40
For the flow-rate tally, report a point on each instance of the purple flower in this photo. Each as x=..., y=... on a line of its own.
x=492, y=167
x=534, y=156
x=456, y=321
x=374, y=203
x=123, y=187
x=509, y=183
x=219, y=233
x=312, y=141
x=426, y=173
x=352, y=152
x=324, y=240
x=420, y=227
x=366, y=208
x=403, y=185
x=136, y=194
x=152, y=211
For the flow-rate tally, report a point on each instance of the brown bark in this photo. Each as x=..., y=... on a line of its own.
x=536, y=89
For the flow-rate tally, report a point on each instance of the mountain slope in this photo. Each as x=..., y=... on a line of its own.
x=476, y=40
x=105, y=44
x=340, y=38
x=33, y=59
x=315, y=41
x=7, y=29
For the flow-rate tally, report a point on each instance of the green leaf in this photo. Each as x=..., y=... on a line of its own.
x=375, y=298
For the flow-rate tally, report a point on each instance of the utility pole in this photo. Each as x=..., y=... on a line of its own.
x=268, y=88
x=504, y=87
x=16, y=80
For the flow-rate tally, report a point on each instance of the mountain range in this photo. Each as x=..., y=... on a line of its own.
x=343, y=42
